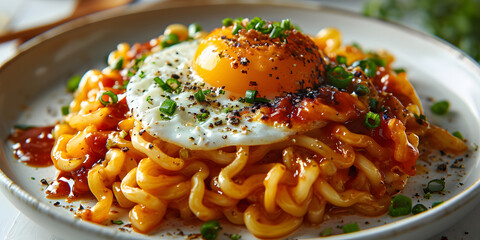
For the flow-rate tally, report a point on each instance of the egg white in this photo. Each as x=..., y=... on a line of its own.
x=183, y=128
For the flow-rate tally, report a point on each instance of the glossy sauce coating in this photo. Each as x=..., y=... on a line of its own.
x=33, y=145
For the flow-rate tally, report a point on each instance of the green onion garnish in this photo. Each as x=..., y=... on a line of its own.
x=236, y=28
x=149, y=98
x=200, y=96
x=351, y=227
x=286, y=24
x=369, y=65
x=250, y=96
x=326, y=232
x=123, y=134
x=373, y=103
x=339, y=77
x=341, y=59
x=169, y=40
x=436, y=203
x=112, y=96
x=418, y=209
x=435, y=185
x=117, y=222
x=22, y=126
x=362, y=90
x=399, y=70
x=168, y=107
x=276, y=32
x=440, y=107
x=253, y=23
x=118, y=64
x=458, y=135
x=142, y=74
x=372, y=120
x=163, y=85
x=235, y=236
x=65, y=110
x=173, y=83
x=227, y=22
x=193, y=29
x=210, y=229
x=400, y=205
x=202, y=117
x=73, y=83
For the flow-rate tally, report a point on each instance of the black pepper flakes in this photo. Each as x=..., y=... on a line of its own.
x=44, y=182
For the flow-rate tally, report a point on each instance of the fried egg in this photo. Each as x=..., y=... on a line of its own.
x=221, y=67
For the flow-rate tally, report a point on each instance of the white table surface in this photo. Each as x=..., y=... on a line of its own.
x=26, y=13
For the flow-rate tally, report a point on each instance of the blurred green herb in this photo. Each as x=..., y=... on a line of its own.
x=453, y=20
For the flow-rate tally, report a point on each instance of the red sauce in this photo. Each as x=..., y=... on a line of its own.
x=32, y=146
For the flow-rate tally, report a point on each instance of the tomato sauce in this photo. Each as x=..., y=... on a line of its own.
x=33, y=145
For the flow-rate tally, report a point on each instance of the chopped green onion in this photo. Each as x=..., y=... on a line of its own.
x=200, y=96
x=169, y=40
x=202, y=117
x=142, y=74
x=339, y=77
x=418, y=209
x=73, y=83
x=326, y=232
x=226, y=110
x=440, y=107
x=351, y=227
x=123, y=134
x=117, y=222
x=276, y=32
x=222, y=92
x=210, y=229
x=427, y=195
x=236, y=28
x=253, y=23
x=341, y=59
x=458, y=135
x=371, y=69
x=372, y=120
x=65, y=110
x=435, y=185
x=379, y=62
x=168, y=107
x=206, y=92
x=235, y=236
x=436, y=203
x=362, y=90
x=163, y=85
x=22, y=126
x=138, y=62
x=118, y=64
x=400, y=205
x=286, y=24
x=149, y=98
x=399, y=70
x=130, y=74
x=193, y=29
x=173, y=83
x=112, y=96
x=250, y=96
x=373, y=103
x=227, y=22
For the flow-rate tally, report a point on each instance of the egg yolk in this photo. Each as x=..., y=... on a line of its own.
x=251, y=60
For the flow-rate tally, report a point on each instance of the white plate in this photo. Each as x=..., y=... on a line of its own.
x=37, y=75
